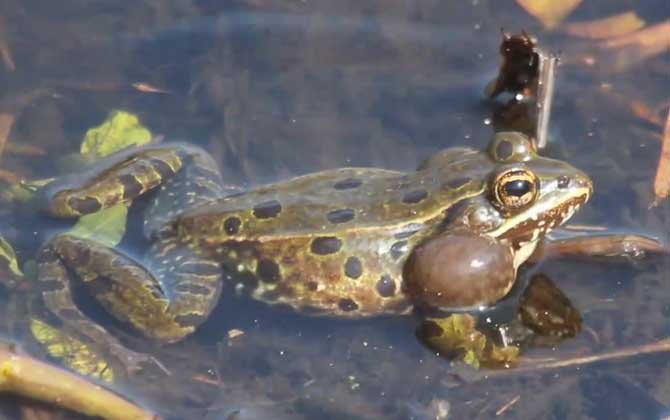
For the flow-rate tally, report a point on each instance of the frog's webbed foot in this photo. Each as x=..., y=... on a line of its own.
x=128, y=291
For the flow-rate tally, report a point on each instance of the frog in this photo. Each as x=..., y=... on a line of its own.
x=334, y=243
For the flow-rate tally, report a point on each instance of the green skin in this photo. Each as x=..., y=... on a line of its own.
x=330, y=243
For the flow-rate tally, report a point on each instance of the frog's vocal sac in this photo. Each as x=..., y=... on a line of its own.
x=331, y=243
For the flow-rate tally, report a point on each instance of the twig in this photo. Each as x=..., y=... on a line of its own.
x=508, y=405
x=545, y=96
x=529, y=365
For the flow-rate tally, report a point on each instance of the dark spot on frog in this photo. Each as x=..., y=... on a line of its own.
x=267, y=209
x=563, y=181
x=190, y=320
x=457, y=183
x=386, y=286
x=347, y=305
x=268, y=271
x=347, y=184
x=311, y=310
x=326, y=245
x=199, y=268
x=193, y=289
x=247, y=280
x=414, y=197
x=270, y=295
x=84, y=205
x=430, y=329
x=312, y=286
x=408, y=231
x=340, y=215
x=50, y=285
x=398, y=249
x=504, y=150
x=353, y=268
x=163, y=169
x=70, y=314
x=232, y=225
x=131, y=186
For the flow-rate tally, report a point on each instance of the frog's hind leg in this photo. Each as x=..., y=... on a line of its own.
x=164, y=310
x=126, y=175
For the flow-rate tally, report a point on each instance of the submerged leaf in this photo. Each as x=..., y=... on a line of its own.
x=106, y=226
x=75, y=354
x=457, y=337
x=549, y=12
x=8, y=258
x=11, y=275
x=609, y=27
x=119, y=131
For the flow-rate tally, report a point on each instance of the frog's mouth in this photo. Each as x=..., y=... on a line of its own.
x=525, y=234
x=531, y=225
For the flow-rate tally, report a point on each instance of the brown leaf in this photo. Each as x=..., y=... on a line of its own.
x=549, y=12
x=662, y=181
x=643, y=111
x=6, y=123
x=609, y=27
x=147, y=88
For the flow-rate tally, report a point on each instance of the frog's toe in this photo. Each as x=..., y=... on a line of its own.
x=131, y=360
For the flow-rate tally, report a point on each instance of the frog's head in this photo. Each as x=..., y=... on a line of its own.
x=493, y=230
x=527, y=195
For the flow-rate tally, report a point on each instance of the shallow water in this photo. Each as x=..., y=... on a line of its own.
x=275, y=89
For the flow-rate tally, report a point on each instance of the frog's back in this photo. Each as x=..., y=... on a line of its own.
x=336, y=201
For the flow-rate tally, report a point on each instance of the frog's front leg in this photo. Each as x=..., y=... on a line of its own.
x=164, y=306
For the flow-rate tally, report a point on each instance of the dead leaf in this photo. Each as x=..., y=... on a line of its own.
x=609, y=27
x=6, y=123
x=662, y=181
x=5, y=50
x=9, y=177
x=147, y=88
x=234, y=333
x=640, y=45
x=549, y=12
x=25, y=150
x=657, y=35
x=643, y=111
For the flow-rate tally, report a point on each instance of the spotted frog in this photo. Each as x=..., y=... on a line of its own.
x=337, y=242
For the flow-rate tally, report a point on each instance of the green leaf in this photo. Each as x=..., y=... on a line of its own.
x=456, y=337
x=74, y=353
x=8, y=258
x=105, y=226
x=119, y=131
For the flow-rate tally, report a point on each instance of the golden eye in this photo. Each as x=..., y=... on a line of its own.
x=515, y=189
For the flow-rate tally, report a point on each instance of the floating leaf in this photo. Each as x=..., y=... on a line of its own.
x=119, y=131
x=549, y=12
x=74, y=353
x=609, y=27
x=106, y=226
x=457, y=337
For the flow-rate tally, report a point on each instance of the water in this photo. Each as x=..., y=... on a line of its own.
x=275, y=89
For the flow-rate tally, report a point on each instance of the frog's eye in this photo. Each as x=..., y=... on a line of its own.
x=515, y=189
